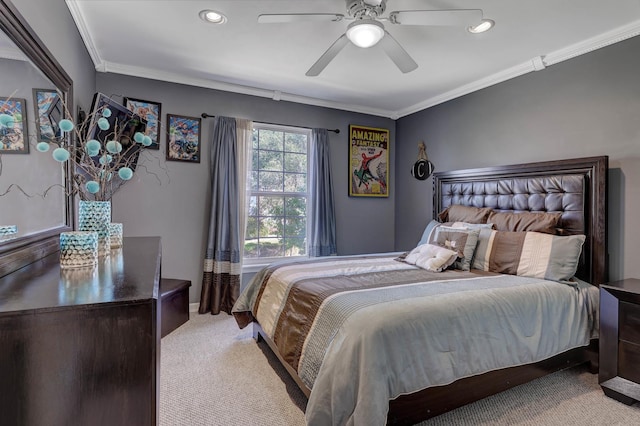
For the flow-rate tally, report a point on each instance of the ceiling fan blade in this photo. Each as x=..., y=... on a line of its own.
x=299, y=17
x=328, y=56
x=397, y=54
x=458, y=17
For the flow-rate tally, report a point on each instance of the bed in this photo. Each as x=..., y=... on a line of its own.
x=375, y=339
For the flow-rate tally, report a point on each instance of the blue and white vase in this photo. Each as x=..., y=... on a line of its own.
x=95, y=216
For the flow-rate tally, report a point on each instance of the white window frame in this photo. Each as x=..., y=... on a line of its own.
x=254, y=264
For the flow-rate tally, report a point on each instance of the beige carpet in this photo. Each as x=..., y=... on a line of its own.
x=213, y=373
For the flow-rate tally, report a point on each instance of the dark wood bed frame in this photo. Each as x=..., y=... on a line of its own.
x=433, y=401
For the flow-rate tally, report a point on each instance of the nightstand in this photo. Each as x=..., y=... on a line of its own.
x=619, y=374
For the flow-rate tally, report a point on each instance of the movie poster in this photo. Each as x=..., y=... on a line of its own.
x=368, y=161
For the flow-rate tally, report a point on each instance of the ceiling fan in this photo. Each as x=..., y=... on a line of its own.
x=367, y=28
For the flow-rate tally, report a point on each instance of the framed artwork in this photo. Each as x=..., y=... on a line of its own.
x=368, y=161
x=14, y=135
x=150, y=111
x=49, y=111
x=183, y=138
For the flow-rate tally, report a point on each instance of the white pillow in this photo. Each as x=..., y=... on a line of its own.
x=431, y=257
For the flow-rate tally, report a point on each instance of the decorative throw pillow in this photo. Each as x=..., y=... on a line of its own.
x=431, y=257
x=458, y=213
x=431, y=227
x=529, y=254
x=427, y=231
x=525, y=221
x=461, y=240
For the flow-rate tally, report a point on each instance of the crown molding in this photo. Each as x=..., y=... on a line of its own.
x=603, y=40
x=536, y=64
x=154, y=74
x=83, y=29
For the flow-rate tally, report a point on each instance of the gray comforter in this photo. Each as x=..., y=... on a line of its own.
x=363, y=330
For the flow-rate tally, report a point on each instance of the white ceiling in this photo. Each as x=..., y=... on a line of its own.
x=166, y=40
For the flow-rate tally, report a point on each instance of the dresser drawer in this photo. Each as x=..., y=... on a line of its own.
x=629, y=361
x=629, y=322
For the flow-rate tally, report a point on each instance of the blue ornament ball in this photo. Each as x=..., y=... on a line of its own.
x=105, y=159
x=60, y=154
x=42, y=146
x=92, y=145
x=106, y=112
x=125, y=173
x=103, y=123
x=65, y=125
x=112, y=147
x=146, y=141
x=138, y=137
x=92, y=186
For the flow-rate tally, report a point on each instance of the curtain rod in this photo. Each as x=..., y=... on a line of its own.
x=205, y=115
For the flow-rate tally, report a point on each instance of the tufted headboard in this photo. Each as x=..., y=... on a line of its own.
x=577, y=188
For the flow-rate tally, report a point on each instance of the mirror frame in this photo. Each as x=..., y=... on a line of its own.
x=18, y=252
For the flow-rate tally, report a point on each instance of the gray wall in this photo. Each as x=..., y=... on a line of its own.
x=586, y=106
x=171, y=198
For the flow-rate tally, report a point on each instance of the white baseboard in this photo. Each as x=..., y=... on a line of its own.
x=193, y=307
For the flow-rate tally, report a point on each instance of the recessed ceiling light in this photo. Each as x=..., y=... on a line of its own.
x=212, y=16
x=484, y=25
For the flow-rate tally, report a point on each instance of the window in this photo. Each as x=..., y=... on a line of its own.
x=277, y=220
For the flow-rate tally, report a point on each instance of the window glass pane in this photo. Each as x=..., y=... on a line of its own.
x=295, y=182
x=295, y=142
x=271, y=248
x=271, y=139
x=295, y=206
x=254, y=139
x=252, y=228
x=253, y=206
x=295, y=227
x=271, y=206
x=251, y=249
x=296, y=247
x=270, y=160
x=255, y=155
x=295, y=162
x=253, y=181
x=270, y=181
x=270, y=228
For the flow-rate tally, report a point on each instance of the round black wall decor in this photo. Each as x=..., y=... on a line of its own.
x=422, y=169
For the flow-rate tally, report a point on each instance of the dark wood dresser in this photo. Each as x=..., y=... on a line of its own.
x=82, y=347
x=619, y=374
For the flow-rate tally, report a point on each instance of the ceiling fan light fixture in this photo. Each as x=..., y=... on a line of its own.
x=213, y=17
x=484, y=26
x=365, y=32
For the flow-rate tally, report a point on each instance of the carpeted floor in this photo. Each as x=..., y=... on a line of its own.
x=213, y=373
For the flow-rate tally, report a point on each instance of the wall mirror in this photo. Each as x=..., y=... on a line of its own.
x=27, y=65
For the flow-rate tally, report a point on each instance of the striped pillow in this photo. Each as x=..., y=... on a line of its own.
x=528, y=254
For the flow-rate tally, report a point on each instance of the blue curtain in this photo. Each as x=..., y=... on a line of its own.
x=223, y=263
x=322, y=238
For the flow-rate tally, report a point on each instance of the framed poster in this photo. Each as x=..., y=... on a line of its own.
x=150, y=111
x=49, y=111
x=183, y=138
x=368, y=161
x=13, y=126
